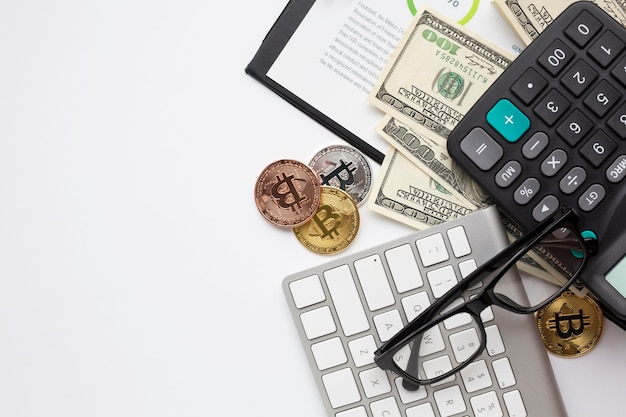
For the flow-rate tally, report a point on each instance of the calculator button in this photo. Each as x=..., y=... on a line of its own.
x=481, y=149
x=575, y=127
x=598, y=148
x=509, y=173
x=572, y=180
x=617, y=121
x=617, y=170
x=546, y=207
x=602, y=98
x=592, y=197
x=508, y=120
x=552, y=107
x=529, y=85
x=583, y=28
x=606, y=49
x=619, y=71
x=554, y=162
x=526, y=191
x=556, y=57
x=533, y=146
x=579, y=77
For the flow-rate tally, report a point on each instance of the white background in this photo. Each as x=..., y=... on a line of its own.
x=137, y=277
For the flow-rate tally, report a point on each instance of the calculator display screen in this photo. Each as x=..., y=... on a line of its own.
x=617, y=276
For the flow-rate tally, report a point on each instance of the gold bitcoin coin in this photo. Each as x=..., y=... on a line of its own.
x=334, y=226
x=287, y=193
x=344, y=167
x=570, y=326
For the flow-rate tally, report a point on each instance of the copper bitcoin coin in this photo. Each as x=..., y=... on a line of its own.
x=334, y=226
x=287, y=193
x=344, y=167
x=570, y=326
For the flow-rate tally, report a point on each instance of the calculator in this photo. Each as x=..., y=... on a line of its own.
x=551, y=131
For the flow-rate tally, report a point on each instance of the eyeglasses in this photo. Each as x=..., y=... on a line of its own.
x=417, y=352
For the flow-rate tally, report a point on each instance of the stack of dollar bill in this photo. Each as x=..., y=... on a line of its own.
x=437, y=72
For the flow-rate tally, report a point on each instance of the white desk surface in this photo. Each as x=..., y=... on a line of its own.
x=137, y=277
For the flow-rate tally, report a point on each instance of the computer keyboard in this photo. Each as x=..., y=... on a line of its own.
x=551, y=131
x=345, y=308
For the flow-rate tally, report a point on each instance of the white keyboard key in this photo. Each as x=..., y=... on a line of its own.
x=374, y=282
x=467, y=267
x=318, y=322
x=346, y=300
x=307, y=291
x=486, y=405
x=504, y=372
x=476, y=376
x=450, y=401
x=514, y=404
x=341, y=388
x=432, y=249
x=437, y=367
x=495, y=345
x=414, y=304
x=385, y=408
x=457, y=320
x=404, y=270
x=441, y=280
x=387, y=324
x=374, y=382
x=362, y=350
x=353, y=412
x=487, y=315
x=407, y=396
x=329, y=353
x=458, y=241
x=464, y=344
x=401, y=357
x=423, y=410
x=432, y=342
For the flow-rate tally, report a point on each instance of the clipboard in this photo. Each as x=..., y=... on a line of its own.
x=271, y=47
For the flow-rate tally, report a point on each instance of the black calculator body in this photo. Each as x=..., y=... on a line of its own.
x=551, y=131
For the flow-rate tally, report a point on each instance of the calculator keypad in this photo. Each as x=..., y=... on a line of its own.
x=576, y=125
x=554, y=127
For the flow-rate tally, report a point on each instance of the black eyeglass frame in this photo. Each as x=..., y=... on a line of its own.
x=489, y=274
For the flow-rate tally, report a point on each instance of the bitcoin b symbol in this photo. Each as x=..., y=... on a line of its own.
x=341, y=177
x=567, y=324
x=326, y=216
x=286, y=193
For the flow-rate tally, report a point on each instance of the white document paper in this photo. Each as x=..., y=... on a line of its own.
x=337, y=53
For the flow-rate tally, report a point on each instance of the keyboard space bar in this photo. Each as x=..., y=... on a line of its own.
x=346, y=299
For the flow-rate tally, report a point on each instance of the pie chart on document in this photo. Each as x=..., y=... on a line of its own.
x=461, y=10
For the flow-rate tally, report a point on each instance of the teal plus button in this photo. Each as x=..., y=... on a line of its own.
x=508, y=120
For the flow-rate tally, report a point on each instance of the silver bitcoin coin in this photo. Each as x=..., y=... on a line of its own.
x=344, y=167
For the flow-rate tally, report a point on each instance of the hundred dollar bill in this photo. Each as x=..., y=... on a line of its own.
x=438, y=70
x=529, y=18
x=433, y=158
x=405, y=193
